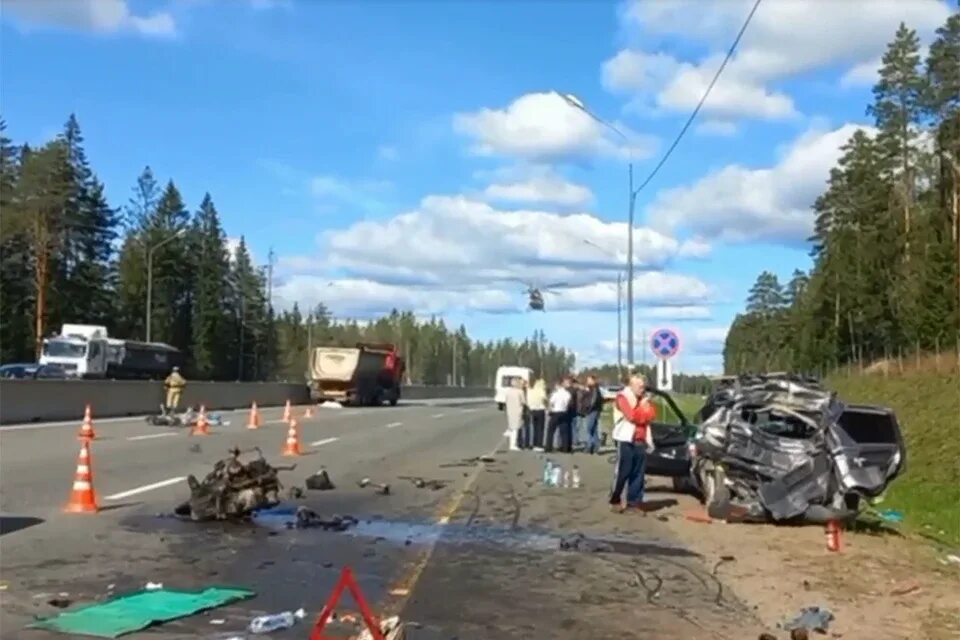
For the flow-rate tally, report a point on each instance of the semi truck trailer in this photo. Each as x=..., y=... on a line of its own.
x=367, y=374
x=87, y=351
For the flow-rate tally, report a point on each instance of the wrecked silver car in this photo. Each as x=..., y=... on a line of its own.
x=233, y=489
x=782, y=448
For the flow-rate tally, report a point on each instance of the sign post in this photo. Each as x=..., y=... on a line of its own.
x=665, y=344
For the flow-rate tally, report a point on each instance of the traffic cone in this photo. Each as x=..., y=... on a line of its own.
x=83, y=499
x=308, y=413
x=254, y=421
x=86, y=429
x=287, y=414
x=201, y=427
x=292, y=446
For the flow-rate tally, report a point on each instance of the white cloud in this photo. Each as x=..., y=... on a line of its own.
x=543, y=126
x=739, y=204
x=708, y=340
x=785, y=38
x=653, y=288
x=386, y=152
x=543, y=189
x=863, y=74
x=99, y=16
x=456, y=238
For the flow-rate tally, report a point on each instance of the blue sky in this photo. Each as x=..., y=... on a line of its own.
x=414, y=154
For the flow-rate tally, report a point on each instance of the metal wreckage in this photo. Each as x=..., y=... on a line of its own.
x=783, y=448
x=233, y=490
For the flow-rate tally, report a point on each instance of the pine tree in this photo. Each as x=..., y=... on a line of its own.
x=212, y=316
x=250, y=328
x=16, y=294
x=170, y=269
x=41, y=194
x=132, y=262
x=766, y=295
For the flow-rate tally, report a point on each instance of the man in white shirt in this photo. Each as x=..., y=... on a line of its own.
x=515, y=401
x=559, y=421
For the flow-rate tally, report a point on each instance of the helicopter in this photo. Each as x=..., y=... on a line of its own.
x=535, y=294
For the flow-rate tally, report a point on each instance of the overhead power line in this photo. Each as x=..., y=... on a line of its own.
x=730, y=52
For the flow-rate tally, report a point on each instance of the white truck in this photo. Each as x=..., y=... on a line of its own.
x=87, y=351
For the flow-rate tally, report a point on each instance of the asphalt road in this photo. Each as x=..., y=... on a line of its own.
x=477, y=558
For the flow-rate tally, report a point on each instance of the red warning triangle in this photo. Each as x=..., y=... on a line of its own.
x=346, y=581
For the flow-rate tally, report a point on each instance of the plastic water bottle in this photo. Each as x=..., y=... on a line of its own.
x=275, y=622
x=547, y=472
x=576, y=477
x=567, y=479
x=555, y=476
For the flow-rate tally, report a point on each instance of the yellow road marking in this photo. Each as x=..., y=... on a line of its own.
x=405, y=586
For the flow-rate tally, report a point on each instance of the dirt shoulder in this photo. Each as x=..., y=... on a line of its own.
x=881, y=586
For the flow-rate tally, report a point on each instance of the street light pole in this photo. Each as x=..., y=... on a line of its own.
x=150, y=276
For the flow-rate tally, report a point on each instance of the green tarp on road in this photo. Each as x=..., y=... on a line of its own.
x=135, y=611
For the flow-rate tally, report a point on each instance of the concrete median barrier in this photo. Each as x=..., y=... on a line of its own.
x=47, y=400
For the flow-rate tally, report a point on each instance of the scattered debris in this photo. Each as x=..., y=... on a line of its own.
x=295, y=493
x=782, y=448
x=954, y=559
x=420, y=483
x=811, y=618
x=320, y=481
x=60, y=603
x=767, y=636
x=391, y=628
x=218, y=621
x=233, y=489
x=383, y=489
x=890, y=515
x=579, y=542
x=153, y=586
x=905, y=588
x=331, y=404
x=276, y=621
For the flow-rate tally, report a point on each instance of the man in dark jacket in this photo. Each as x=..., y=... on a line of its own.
x=589, y=406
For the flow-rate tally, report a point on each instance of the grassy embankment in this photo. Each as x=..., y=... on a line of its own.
x=927, y=405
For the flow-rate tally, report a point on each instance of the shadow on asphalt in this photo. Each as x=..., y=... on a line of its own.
x=11, y=524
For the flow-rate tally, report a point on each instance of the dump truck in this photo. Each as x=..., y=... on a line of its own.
x=367, y=374
x=88, y=351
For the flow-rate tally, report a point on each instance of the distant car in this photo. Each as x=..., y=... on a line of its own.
x=609, y=392
x=32, y=371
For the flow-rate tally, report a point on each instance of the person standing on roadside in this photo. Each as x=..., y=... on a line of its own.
x=514, y=403
x=574, y=387
x=537, y=403
x=632, y=414
x=174, y=385
x=589, y=406
x=559, y=421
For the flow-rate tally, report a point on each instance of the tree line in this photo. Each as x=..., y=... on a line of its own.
x=885, y=277
x=68, y=255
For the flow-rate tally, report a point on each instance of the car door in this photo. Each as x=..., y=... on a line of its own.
x=671, y=437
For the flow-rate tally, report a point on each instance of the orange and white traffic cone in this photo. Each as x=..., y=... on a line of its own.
x=287, y=413
x=834, y=535
x=201, y=427
x=86, y=429
x=254, y=421
x=308, y=413
x=292, y=446
x=83, y=499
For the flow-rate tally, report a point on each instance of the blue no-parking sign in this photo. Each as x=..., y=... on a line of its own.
x=665, y=343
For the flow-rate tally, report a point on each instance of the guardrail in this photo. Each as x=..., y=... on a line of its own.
x=42, y=400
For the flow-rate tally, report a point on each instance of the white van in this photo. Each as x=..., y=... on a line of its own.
x=505, y=378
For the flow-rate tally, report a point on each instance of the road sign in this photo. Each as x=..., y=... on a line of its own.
x=665, y=343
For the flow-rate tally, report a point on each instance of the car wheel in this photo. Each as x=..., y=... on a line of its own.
x=683, y=484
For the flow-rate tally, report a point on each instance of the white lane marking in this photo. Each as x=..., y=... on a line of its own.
x=320, y=443
x=145, y=488
x=394, y=425
x=469, y=410
x=437, y=415
x=152, y=435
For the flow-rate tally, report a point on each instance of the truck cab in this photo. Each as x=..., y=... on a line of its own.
x=81, y=350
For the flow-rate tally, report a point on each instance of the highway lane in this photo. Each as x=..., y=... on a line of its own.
x=127, y=545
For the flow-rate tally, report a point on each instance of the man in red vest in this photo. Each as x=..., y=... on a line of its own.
x=632, y=414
